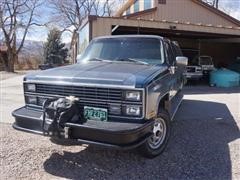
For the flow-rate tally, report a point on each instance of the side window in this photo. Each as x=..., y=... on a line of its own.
x=177, y=50
x=169, y=53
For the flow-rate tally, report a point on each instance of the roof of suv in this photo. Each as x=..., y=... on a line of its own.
x=130, y=36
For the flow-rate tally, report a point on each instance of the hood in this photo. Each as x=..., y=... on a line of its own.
x=99, y=73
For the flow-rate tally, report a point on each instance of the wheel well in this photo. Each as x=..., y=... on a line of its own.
x=162, y=104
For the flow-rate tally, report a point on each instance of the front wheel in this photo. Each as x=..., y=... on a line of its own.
x=158, y=141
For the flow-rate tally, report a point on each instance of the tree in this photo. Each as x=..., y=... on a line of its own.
x=16, y=18
x=54, y=51
x=71, y=13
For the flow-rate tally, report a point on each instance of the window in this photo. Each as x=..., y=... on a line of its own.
x=136, y=6
x=162, y=1
x=147, y=4
x=83, y=38
x=169, y=53
x=128, y=11
x=146, y=50
x=176, y=49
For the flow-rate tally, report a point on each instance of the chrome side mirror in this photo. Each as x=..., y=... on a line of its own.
x=172, y=69
x=182, y=60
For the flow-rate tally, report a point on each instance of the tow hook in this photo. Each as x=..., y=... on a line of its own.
x=66, y=132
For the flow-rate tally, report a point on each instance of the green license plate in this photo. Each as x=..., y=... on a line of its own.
x=98, y=114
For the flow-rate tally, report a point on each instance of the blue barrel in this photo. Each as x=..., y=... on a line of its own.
x=224, y=78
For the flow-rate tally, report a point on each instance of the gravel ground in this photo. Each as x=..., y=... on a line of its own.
x=205, y=144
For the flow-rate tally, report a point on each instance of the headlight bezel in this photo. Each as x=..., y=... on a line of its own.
x=30, y=87
x=127, y=113
x=133, y=95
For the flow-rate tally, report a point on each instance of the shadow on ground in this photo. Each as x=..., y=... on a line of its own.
x=198, y=149
x=190, y=90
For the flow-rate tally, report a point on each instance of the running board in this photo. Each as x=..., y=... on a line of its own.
x=174, y=104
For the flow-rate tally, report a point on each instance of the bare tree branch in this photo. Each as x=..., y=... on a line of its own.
x=17, y=16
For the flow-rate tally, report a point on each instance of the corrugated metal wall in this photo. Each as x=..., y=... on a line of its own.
x=186, y=11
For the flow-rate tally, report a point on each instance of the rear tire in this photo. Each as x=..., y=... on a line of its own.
x=161, y=133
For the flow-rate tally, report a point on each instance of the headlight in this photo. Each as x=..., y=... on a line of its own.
x=133, y=110
x=31, y=100
x=31, y=87
x=133, y=95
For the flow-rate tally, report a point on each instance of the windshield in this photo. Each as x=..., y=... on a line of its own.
x=132, y=50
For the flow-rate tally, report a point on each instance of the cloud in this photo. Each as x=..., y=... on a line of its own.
x=37, y=33
x=66, y=37
x=231, y=7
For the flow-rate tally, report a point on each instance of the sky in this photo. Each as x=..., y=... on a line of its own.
x=231, y=7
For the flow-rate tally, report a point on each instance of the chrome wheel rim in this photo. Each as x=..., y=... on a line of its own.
x=159, y=134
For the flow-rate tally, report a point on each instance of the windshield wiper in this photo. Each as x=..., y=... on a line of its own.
x=131, y=60
x=98, y=59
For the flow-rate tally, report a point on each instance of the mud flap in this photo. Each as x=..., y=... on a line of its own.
x=57, y=112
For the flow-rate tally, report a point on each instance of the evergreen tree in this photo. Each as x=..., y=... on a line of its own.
x=54, y=51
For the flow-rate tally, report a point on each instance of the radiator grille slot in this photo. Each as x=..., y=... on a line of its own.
x=92, y=93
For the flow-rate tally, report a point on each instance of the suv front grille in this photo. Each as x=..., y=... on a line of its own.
x=104, y=94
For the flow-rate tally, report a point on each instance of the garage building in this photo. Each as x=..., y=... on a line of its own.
x=199, y=28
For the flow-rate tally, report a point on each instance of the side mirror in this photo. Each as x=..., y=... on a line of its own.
x=181, y=60
x=172, y=69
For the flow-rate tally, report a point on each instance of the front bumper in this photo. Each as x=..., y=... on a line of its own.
x=112, y=134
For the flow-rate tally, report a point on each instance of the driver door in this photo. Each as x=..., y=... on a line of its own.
x=173, y=68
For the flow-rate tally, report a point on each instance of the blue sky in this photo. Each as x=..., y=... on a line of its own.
x=231, y=7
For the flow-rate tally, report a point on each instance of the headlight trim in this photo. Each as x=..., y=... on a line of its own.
x=129, y=108
x=133, y=95
x=31, y=87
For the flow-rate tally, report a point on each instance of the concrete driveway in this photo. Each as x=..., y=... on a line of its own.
x=11, y=97
x=205, y=144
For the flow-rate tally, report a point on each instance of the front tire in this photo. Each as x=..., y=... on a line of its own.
x=161, y=133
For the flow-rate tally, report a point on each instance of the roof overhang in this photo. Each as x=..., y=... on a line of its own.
x=172, y=26
x=223, y=40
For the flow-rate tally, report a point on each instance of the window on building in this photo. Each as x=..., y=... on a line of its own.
x=147, y=4
x=128, y=11
x=162, y=1
x=136, y=6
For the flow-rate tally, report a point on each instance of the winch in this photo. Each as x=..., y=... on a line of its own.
x=57, y=112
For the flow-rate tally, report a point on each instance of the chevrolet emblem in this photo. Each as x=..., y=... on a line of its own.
x=72, y=98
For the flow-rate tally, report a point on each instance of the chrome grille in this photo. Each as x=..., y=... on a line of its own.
x=92, y=93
